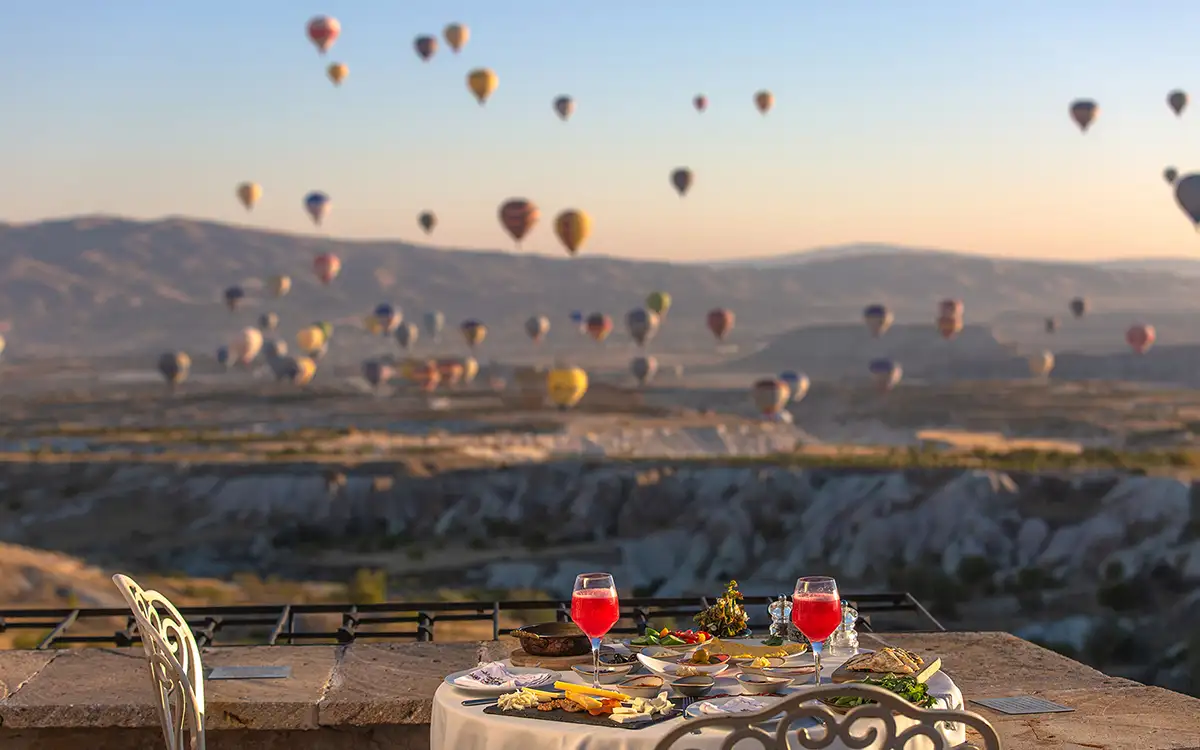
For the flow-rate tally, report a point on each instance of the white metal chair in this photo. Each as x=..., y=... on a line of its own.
x=175, y=670
x=872, y=725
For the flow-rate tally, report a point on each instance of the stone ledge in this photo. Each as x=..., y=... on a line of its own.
x=367, y=693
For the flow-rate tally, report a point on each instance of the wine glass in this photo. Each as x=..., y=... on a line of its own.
x=595, y=609
x=816, y=612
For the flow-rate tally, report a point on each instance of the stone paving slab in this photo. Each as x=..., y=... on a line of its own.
x=18, y=667
x=289, y=703
x=92, y=687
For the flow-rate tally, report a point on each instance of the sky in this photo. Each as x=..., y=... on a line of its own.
x=931, y=123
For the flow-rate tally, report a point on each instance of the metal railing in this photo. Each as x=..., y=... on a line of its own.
x=293, y=624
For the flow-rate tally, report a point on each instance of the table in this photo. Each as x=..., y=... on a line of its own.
x=457, y=727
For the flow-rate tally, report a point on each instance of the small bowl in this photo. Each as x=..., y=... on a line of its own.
x=759, y=684
x=773, y=662
x=644, y=686
x=662, y=653
x=694, y=687
x=608, y=674
x=801, y=673
x=713, y=660
x=612, y=658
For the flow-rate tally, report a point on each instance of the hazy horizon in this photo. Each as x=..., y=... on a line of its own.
x=931, y=125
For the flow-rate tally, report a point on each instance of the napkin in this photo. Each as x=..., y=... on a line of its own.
x=737, y=705
x=495, y=675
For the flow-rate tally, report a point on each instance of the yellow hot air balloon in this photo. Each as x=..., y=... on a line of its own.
x=305, y=369
x=249, y=193
x=457, y=35
x=573, y=228
x=566, y=386
x=337, y=73
x=373, y=325
x=310, y=339
x=3, y=344
x=470, y=369
x=659, y=302
x=280, y=285
x=483, y=83
x=764, y=100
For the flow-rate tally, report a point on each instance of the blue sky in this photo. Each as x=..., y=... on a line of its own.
x=932, y=123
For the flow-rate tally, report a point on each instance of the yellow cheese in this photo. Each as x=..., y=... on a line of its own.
x=589, y=703
x=543, y=696
x=573, y=688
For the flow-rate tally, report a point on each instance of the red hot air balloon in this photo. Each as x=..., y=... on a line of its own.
x=598, y=326
x=518, y=216
x=327, y=266
x=1140, y=338
x=720, y=322
x=324, y=31
x=700, y=102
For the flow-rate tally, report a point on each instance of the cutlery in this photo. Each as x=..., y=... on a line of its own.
x=480, y=701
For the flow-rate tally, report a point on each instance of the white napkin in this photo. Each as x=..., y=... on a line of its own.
x=495, y=675
x=736, y=705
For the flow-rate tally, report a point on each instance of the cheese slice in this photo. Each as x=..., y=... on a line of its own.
x=930, y=670
x=544, y=696
x=589, y=703
x=629, y=718
x=571, y=687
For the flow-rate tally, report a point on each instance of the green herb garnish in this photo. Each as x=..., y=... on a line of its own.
x=904, y=686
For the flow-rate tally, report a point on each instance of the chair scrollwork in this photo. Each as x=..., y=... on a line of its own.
x=871, y=725
x=174, y=660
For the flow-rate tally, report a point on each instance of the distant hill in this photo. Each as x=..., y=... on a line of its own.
x=104, y=285
x=1181, y=266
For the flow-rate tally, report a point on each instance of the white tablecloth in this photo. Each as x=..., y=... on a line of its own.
x=458, y=727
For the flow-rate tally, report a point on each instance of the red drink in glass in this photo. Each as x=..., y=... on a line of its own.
x=816, y=615
x=595, y=611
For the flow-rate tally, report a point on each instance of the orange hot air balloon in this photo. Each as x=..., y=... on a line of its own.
x=327, y=266
x=518, y=216
x=249, y=193
x=720, y=322
x=700, y=102
x=426, y=47
x=425, y=375
x=482, y=83
x=324, y=31
x=337, y=73
x=450, y=371
x=770, y=396
x=764, y=100
x=474, y=332
x=456, y=36
x=573, y=228
x=1140, y=338
x=1084, y=112
x=598, y=326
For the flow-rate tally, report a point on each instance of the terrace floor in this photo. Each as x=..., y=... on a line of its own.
x=374, y=695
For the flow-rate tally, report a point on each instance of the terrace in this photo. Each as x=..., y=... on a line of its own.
x=369, y=682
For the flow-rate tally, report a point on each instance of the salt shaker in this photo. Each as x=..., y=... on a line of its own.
x=781, y=617
x=845, y=639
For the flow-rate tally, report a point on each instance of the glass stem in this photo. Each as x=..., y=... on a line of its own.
x=595, y=662
x=816, y=648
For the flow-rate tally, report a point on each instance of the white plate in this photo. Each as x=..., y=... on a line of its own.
x=758, y=642
x=670, y=669
x=552, y=677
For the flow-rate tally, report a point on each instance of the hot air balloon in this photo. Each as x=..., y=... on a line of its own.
x=770, y=396
x=376, y=373
x=659, y=302
x=280, y=285
x=1177, y=100
x=434, y=322
x=428, y=221
x=249, y=194
x=407, y=335
x=1187, y=195
x=327, y=266
x=797, y=383
x=642, y=324
x=326, y=329
x=388, y=315
x=174, y=367
x=598, y=326
x=681, y=178
x=886, y=373
x=643, y=369
x=372, y=324
x=233, y=297
x=1170, y=174
x=1078, y=307
x=1140, y=338
x=426, y=46
x=720, y=322
x=300, y=370
x=275, y=352
x=425, y=375
x=764, y=100
x=536, y=327
x=482, y=83
x=474, y=332
x=247, y=345
x=456, y=36
x=1051, y=325
x=310, y=339
x=223, y=356
x=950, y=308
x=518, y=216
x=450, y=371
x=3, y=343
x=700, y=102
x=579, y=320
x=268, y=321
x=1041, y=364
x=573, y=228
x=1083, y=112
x=564, y=106
x=337, y=73
x=949, y=326
x=317, y=204
x=324, y=31
x=470, y=369
x=878, y=319
x=566, y=386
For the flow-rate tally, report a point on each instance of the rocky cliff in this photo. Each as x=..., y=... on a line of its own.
x=1103, y=565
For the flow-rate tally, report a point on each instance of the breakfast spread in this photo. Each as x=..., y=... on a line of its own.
x=574, y=698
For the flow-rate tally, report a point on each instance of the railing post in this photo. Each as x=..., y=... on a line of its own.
x=424, y=627
x=495, y=621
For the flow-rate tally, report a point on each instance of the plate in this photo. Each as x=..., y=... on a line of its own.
x=841, y=674
x=553, y=676
x=756, y=647
x=671, y=669
x=693, y=711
